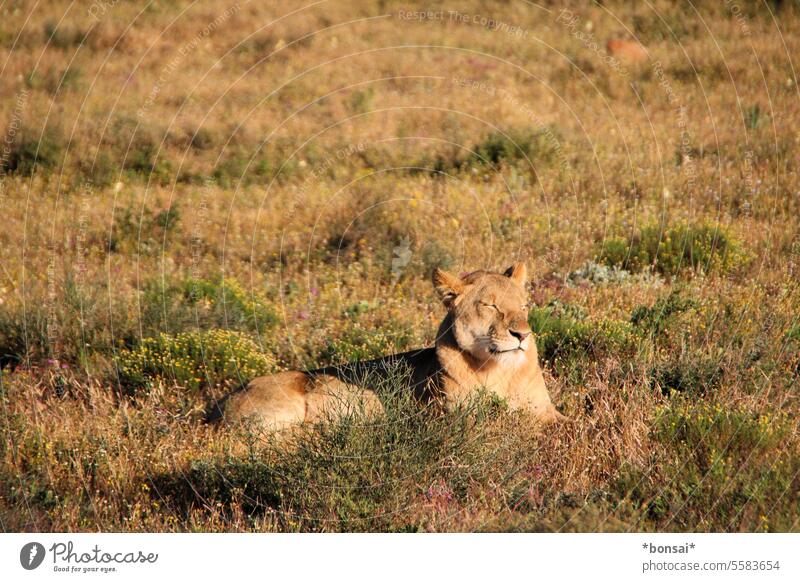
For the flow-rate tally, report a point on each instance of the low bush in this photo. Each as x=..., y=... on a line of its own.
x=31, y=152
x=202, y=139
x=723, y=467
x=360, y=342
x=696, y=376
x=699, y=247
x=517, y=145
x=63, y=36
x=565, y=337
x=142, y=231
x=145, y=160
x=393, y=473
x=520, y=146
x=653, y=321
x=193, y=360
x=204, y=304
x=54, y=80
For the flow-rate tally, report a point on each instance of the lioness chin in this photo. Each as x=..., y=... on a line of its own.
x=483, y=343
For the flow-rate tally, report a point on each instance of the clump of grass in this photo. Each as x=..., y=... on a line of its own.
x=723, y=466
x=696, y=376
x=565, y=337
x=23, y=335
x=326, y=481
x=361, y=101
x=516, y=145
x=74, y=329
x=653, y=321
x=64, y=36
x=202, y=139
x=754, y=117
x=361, y=342
x=143, y=159
x=702, y=247
x=30, y=153
x=205, y=304
x=54, y=80
x=193, y=360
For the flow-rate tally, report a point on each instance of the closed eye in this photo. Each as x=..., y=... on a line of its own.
x=492, y=305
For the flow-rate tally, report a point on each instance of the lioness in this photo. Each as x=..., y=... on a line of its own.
x=484, y=342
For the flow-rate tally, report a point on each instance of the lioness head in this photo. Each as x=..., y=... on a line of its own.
x=488, y=312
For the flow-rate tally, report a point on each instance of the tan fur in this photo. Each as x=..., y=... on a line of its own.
x=484, y=342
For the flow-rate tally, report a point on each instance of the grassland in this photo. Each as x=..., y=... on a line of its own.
x=195, y=193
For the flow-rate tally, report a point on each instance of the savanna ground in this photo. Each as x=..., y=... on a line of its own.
x=195, y=193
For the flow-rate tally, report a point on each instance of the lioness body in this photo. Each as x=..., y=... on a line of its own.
x=483, y=343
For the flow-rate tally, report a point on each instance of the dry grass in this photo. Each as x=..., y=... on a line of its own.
x=293, y=175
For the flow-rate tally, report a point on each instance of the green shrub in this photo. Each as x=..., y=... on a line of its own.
x=194, y=360
x=64, y=36
x=202, y=139
x=139, y=148
x=204, y=304
x=142, y=231
x=55, y=80
x=653, y=321
x=512, y=147
x=239, y=308
x=723, y=466
x=145, y=160
x=99, y=170
x=694, y=376
x=29, y=153
x=360, y=473
x=700, y=247
x=521, y=145
x=565, y=337
x=359, y=342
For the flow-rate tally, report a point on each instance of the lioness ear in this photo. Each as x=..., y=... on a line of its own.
x=448, y=286
x=518, y=273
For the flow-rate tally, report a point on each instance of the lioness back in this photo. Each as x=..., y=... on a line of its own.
x=288, y=398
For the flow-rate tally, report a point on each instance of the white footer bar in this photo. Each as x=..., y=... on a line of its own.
x=414, y=557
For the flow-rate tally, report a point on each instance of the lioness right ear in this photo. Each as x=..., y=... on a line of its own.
x=518, y=273
x=448, y=286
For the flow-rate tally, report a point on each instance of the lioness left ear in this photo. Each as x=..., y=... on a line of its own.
x=518, y=273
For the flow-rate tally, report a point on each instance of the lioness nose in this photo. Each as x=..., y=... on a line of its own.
x=520, y=335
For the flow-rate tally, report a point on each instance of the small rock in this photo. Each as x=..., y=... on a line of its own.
x=626, y=50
